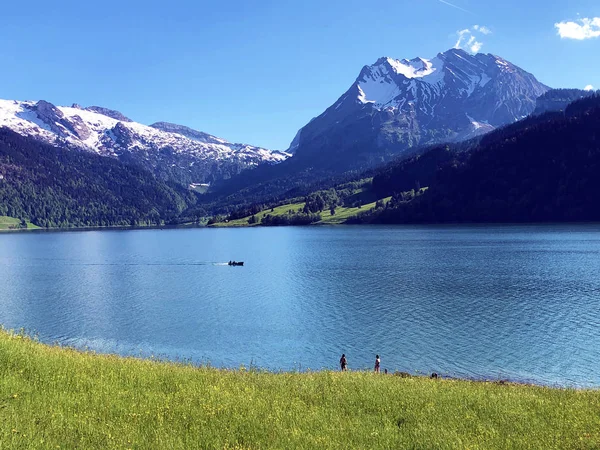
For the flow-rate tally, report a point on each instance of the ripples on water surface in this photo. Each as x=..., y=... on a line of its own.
x=517, y=302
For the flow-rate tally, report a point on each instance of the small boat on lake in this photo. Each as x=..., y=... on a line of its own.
x=236, y=263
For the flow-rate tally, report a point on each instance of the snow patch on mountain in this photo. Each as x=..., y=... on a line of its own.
x=188, y=132
x=382, y=83
x=378, y=91
x=416, y=68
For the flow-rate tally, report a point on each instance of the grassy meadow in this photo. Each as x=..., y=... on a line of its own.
x=52, y=397
x=279, y=211
x=341, y=214
x=10, y=223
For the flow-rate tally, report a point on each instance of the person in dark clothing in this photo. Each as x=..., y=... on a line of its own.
x=343, y=363
x=377, y=363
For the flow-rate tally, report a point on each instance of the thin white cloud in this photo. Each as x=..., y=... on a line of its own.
x=454, y=6
x=461, y=37
x=482, y=30
x=582, y=29
x=589, y=87
x=468, y=39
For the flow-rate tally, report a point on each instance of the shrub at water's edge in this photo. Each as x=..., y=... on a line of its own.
x=52, y=397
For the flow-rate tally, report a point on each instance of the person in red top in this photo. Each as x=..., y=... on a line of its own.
x=343, y=363
x=377, y=363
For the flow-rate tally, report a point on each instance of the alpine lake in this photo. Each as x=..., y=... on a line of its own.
x=483, y=302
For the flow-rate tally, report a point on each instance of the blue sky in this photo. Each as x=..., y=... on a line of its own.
x=256, y=72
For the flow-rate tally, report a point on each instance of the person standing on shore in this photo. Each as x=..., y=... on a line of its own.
x=377, y=363
x=343, y=363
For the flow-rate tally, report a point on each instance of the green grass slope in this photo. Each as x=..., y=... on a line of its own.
x=58, y=398
x=11, y=223
x=341, y=214
x=278, y=211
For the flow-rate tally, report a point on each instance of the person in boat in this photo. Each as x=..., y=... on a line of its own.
x=344, y=363
x=377, y=363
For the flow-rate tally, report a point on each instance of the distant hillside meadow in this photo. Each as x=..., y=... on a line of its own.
x=52, y=397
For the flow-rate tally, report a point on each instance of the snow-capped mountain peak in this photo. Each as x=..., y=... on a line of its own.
x=408, y=102
x=420, y=82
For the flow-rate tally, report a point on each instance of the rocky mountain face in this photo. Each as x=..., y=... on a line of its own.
x=395, y=105
x=169, y=151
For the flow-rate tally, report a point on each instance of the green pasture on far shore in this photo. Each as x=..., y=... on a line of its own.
x=11, y=223
x=341, y=214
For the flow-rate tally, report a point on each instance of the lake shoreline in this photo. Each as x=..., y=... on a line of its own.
x=313, y=225
x=56, y=396
x=187, y=362
x=100, y=228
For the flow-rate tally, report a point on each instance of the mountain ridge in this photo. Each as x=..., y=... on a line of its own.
x=165, y=152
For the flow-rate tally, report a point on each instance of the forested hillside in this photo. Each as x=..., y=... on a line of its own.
x=53, y=187
x=535, y=171
x=558, y=99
